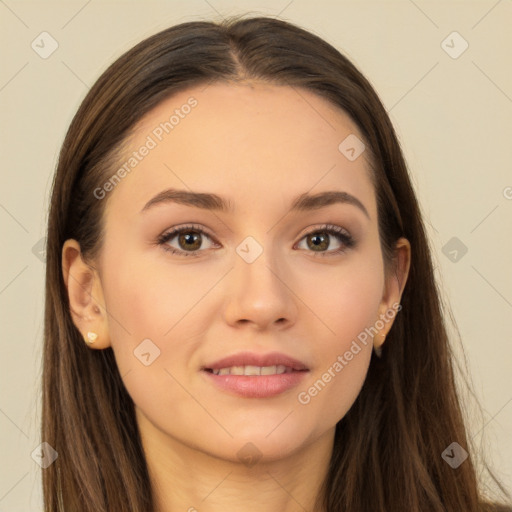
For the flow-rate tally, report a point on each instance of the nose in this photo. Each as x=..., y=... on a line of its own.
x=259, y=295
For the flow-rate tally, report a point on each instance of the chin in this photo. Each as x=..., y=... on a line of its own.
x=255, y=445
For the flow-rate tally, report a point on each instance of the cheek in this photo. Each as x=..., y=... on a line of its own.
x=155, y=310
x=345, y=298
x=332, y=390
x=148, y=300
x=152, y=337
x=348, y=309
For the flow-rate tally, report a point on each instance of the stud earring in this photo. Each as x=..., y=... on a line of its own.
x=91, y=337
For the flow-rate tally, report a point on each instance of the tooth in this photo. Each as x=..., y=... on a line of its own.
x=252, y=370
x=268, y=370
x=237, y=370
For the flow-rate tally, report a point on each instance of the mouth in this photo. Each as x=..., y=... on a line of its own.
x=252, y=371
x=250, y=375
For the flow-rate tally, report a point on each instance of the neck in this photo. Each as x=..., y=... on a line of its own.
x=186, y=479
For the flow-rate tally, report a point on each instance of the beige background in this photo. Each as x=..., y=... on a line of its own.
x=453, y=116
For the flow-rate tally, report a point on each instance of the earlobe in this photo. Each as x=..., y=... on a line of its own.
x=85, y=296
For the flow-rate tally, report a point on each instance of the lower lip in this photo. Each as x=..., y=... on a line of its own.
x=257, y=386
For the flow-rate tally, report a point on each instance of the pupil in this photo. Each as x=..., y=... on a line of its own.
x=189, y=240
x=319, y=240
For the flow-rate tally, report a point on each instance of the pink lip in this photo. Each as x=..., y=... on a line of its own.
x=251, y=359
x=256, y=386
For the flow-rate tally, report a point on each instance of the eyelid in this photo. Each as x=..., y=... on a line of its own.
x=327, y=226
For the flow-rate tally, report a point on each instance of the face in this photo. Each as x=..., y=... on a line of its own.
x=263, y=281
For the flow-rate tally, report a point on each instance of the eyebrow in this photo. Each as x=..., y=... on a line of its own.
x=207, y=201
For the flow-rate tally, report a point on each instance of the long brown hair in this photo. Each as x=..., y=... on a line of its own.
x=387, y=449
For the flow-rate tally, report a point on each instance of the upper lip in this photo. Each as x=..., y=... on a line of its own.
x=251, y=359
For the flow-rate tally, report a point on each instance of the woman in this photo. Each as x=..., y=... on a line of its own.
x=241, y=311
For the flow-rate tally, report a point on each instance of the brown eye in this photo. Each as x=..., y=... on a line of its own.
x=190, y=240
x=185, y=241
x=320, y=240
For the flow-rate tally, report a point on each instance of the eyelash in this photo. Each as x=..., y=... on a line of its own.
x=338, y=232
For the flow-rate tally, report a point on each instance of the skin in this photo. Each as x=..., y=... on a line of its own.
x=260, y=146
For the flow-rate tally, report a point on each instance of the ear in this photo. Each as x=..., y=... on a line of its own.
x=86, y=302
x=393, y=289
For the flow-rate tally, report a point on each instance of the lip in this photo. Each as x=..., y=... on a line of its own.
x=256, y=386
x=252, y=359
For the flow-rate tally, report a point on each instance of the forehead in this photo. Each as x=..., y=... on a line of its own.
x=246, y=142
